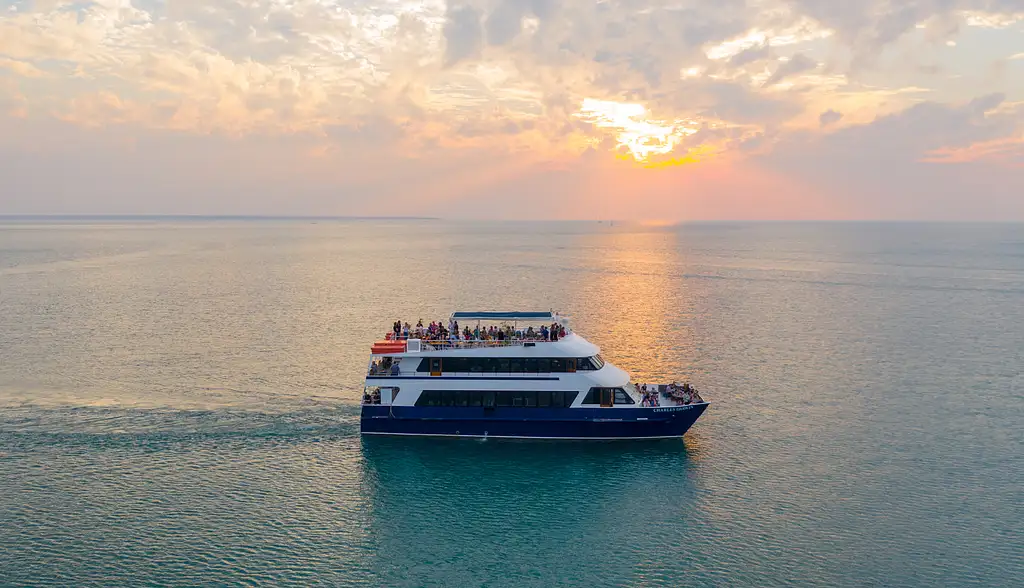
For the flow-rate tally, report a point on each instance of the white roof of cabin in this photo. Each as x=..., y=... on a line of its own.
x=569, y=346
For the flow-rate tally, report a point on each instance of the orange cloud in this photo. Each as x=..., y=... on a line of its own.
x=1008, y=151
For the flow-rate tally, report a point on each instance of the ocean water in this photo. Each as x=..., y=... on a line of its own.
x=178, y=405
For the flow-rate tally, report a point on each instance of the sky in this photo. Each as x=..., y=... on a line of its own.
x=660, y=111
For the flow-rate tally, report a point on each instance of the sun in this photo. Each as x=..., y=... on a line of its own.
x=643, y=138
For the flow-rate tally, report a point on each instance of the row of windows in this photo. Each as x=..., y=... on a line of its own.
x=491, y=398
x=607, y=396
x=509, y=365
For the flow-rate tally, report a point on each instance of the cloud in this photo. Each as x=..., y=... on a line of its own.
x=830, y=117
x=751, y=55
x=508, y=79
x=797, y=64
x=463, y=34
x=898, y=165
x=22, y=68
x=505, y=22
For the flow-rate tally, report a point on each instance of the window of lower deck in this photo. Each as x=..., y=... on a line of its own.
x=619, y=396
x=622, y=398
x=429, y=398
x=544, y=399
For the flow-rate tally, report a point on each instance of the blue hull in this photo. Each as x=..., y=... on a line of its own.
x=532, y=423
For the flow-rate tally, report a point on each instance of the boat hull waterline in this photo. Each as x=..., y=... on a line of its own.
x=524, y=423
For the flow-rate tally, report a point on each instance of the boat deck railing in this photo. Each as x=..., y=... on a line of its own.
x=666, y=395
x=441, y=345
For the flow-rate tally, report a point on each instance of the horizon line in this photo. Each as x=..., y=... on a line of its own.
x=652, y=222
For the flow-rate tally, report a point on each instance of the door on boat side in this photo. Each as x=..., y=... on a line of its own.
x=435, y=366
x=607, y=397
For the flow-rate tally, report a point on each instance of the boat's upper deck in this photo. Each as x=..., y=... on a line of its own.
x=569, y=346
x=509, y=333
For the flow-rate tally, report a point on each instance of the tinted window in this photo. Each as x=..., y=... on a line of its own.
x=429, y=398
x=504, y=398
x=622, y=398
x=557, y=365
x=544, y=365
x=544, y=399
x=593, y=396
x=531, y=366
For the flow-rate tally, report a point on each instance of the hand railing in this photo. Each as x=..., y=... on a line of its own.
x=438, y=344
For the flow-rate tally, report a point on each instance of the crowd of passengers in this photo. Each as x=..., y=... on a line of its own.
x=685, y=394
x=385, y=367
x=438, y=331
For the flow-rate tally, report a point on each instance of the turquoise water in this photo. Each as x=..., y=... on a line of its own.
x=178, y=405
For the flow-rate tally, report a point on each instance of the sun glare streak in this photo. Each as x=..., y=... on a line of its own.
x=641, y=137
x=694, y=155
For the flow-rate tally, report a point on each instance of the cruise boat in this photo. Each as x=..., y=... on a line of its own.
x=513, y=380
